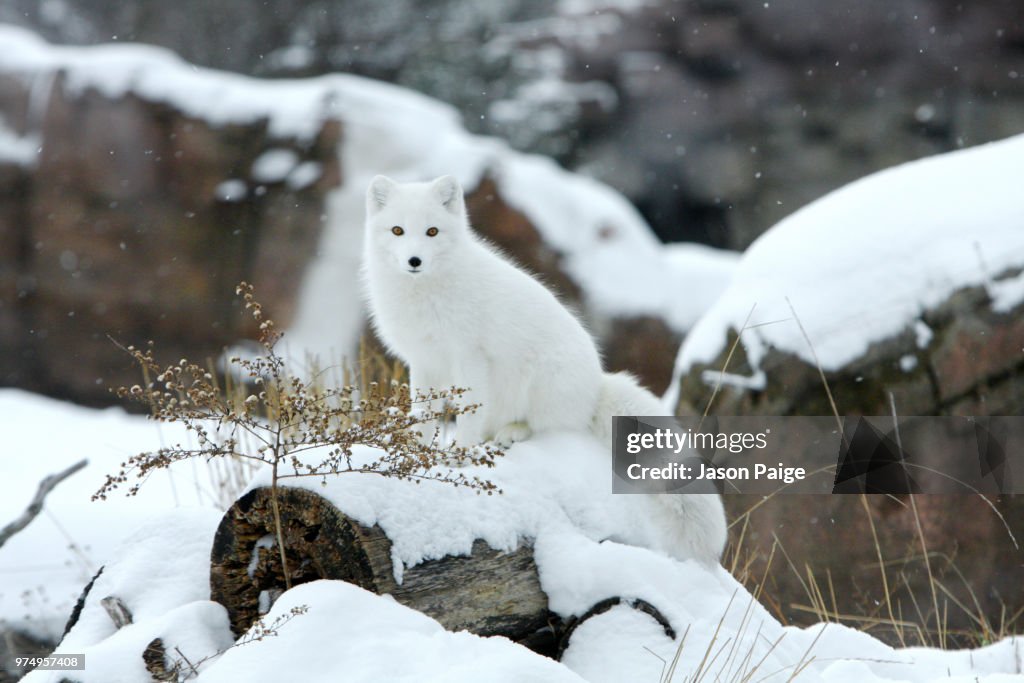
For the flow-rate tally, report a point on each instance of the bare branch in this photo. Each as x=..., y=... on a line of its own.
x=36, y=506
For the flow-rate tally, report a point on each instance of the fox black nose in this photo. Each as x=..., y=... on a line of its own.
x=415, y=262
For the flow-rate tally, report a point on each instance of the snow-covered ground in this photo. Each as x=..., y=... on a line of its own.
x=43, y=569
x=862, y=263
x=588, y=544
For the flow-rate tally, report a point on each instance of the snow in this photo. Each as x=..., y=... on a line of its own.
x=192, y=632
x=699, y=274
x=46, y=565
x=1006, y=294
x=231, y=190
x=274, y=165
x=597, y=654
x=293, y=108
x=304, y=175
x=20, y=150
x=377, y=640
x=588, y=545
x=549, y=104
x=922, y=334
x=161, y=573
x=861, y=264
x=597, y=6
x=430, y=520
x=293, y=57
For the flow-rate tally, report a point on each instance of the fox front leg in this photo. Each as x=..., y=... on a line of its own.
x=471, y=426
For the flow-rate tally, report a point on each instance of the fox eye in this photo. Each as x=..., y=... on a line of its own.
x=432, y=232
x=397, y=231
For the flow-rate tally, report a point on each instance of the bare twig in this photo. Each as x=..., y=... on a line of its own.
x=36, y=506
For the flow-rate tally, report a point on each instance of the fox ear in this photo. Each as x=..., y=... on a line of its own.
x=378, y=193
x=449, y=192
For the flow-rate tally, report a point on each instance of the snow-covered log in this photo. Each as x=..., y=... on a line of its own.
x=488, y=592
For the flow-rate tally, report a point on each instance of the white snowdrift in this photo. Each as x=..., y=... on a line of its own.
x=375, y=639
x=861, y=264
x=587, y=543
x=43, y=568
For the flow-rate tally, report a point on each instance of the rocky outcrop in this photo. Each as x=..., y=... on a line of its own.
x=971, y=363
x=133, y=223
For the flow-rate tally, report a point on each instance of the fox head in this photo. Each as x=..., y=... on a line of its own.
x=412, y=227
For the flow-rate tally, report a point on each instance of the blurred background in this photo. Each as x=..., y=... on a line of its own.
x=135, y=194
x=716, y=118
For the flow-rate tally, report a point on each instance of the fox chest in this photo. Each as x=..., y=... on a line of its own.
x=419, y=321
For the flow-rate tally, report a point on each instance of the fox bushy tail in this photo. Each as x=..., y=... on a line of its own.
x=695, y=523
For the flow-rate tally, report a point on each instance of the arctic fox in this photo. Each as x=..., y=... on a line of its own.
x=460, y=314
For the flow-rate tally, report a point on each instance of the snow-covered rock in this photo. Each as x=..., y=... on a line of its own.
x=923, y=259
x=908, y=284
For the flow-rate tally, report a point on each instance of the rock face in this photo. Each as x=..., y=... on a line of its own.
x=972, y=364
x=134, y=223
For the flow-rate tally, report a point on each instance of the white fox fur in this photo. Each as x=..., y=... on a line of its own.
x=703, y=531
x=460, y=314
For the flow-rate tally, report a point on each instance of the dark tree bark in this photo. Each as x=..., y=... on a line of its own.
x=488, y=592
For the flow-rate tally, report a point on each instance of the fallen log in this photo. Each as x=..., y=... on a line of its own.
x=488, y=592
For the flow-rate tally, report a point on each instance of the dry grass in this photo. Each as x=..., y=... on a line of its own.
x=887, y=617
x=734, y=659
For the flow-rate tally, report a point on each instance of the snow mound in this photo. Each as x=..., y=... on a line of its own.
x=587, y=545
x=861, y=264
x=377, y=639
x=195, y=631
x=45, y=566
